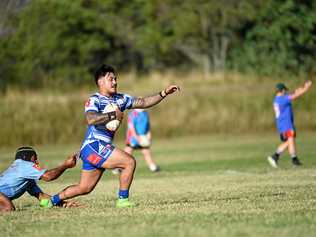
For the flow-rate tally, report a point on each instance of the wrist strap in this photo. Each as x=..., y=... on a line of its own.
x=111, y=115
x=56, y=200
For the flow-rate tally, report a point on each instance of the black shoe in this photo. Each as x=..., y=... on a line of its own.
x=296, y=162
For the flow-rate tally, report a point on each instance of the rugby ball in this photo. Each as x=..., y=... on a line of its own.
x=112, y=125
x=144, y=141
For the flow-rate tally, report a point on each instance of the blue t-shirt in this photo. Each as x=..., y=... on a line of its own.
x=140, y=121
x=19, y=178
x=97, y=103
x=283, y=113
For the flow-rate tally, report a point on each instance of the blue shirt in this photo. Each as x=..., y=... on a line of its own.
x=19, y=178
x=283, y=113
x=140, y=121
x=97, y=103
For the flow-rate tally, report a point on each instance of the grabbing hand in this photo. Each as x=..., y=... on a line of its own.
x=70, y=204
x=71, y=161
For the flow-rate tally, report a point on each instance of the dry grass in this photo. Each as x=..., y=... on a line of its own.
x=227, y=104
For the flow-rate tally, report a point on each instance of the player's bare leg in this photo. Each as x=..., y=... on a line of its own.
x=127, y=164
x=292, y=146
x=292, y=151
x=88, y=181
x=148, y=158
x=273, y=160
x=282, y=147
x=6, y=204
x=129, y=150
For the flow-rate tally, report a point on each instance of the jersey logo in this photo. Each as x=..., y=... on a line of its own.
x=94, y=159
x=36, y=166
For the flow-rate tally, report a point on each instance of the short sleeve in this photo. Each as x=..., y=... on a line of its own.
x=92, y=104
x=34, y=189
x=32, y=171
x=128, y=102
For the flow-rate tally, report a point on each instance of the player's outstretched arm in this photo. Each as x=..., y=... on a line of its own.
x=149, y=101
x=54, y=173
x=301, y=90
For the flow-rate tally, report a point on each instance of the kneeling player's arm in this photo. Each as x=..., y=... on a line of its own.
x=54, y=173
x=98, y=118
x=35, y=191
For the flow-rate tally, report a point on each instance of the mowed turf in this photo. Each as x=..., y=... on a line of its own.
x=209, y=186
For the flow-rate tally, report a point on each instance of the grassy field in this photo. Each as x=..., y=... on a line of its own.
x=209, y=186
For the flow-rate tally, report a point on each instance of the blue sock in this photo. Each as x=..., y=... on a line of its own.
x=55, y=200
x=123, y=194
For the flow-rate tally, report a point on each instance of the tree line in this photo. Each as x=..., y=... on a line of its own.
x=51, y=41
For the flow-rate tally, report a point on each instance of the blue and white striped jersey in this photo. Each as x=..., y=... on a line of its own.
x=97, y=103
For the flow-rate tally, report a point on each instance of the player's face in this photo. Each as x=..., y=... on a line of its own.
x=35, y=160
x=108, y=83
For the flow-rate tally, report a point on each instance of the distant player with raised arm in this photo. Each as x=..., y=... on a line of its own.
x=97, y=151
x=22, y=176
x=285, y=121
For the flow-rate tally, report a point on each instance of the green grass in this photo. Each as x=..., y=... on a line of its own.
x=209, y=186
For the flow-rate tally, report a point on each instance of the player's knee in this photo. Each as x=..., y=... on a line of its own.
x=131, y=162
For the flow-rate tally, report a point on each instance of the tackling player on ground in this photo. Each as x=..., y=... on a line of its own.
x=22, y=176
x=285, y=121
x=97, y=151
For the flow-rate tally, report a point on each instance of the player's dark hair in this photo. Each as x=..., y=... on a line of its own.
x=101, y=71
x=25, y=153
